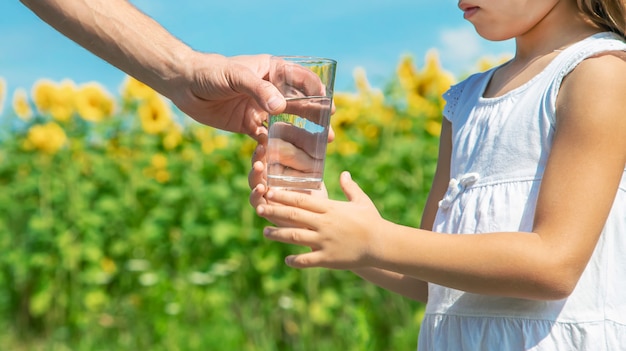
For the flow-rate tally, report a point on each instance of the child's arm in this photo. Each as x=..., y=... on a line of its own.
x=399, y=283
x=578, y=188
x=442, y=176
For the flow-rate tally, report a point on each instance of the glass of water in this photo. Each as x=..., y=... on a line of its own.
x=298, y=137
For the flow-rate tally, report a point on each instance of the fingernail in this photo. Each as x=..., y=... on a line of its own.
x=267, y=231
x=260, y=210
x=270, y=194
x=274, y=102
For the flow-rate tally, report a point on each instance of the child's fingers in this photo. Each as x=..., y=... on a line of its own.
x=259, y=153
x=296, y=236
x=351, y=189
x=297, y=199
x=306, y=260
x=292, y=216
x=256, y=175
x=331, y=134
x=257, y=172
x=257, y=196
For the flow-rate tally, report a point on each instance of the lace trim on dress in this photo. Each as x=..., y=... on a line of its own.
x=452, y=97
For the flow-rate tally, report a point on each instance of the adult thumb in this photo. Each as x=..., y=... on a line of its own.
x=350, y=188
x=263, y=92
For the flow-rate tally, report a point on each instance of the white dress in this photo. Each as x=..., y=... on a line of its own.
x=500, y=147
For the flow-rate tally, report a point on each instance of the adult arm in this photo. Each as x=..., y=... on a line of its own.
x=226, y=93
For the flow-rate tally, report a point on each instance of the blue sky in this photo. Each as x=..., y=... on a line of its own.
x=373, y=34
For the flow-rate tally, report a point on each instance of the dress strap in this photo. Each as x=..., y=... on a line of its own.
x=572, y=56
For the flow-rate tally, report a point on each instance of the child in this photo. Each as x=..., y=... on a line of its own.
x=523, y=239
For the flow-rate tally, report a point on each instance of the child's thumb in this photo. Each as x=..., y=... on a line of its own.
x=350, y=188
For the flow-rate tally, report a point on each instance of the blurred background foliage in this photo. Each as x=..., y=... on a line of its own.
x=125, y=225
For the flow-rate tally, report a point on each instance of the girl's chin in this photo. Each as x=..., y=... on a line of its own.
x=491, y=34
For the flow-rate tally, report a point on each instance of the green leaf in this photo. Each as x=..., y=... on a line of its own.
x=40, y=302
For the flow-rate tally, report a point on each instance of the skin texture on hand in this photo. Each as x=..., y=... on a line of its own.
x=229, y=93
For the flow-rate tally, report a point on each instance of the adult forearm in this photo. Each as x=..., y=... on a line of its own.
x=120, y=34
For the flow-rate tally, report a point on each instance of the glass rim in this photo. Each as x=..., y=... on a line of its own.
x=304, y=58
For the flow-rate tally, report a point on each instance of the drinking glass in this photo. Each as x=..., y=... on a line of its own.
x=298, y=136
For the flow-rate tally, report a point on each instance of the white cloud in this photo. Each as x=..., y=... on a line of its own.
x=462, y=47
x=460, y=44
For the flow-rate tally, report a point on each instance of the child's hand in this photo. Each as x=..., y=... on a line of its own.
x=341, y=234
x=257, y=178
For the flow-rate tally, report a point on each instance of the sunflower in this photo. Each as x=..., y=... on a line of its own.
x=132, y=90
x=172, y=138
x=47, y=138
x=42, y=92
x=155, y=115
x=54, y=99
x=433, y=79
x=93, y=102
x=158, y=168
x=21, y=106
x=158, y=161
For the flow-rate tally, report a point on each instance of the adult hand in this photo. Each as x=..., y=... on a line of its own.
x=233, y=93
x=229, y=93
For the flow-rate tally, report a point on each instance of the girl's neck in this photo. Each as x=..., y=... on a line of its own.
x=556, y=32
x=528, y=49
x=536, y=48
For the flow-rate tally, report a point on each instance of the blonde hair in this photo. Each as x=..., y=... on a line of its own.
x=609, y=15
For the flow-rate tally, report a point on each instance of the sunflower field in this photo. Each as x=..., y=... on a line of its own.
x=125, y=225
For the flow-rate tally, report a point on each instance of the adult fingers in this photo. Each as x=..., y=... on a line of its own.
x=299, y=137
x=294, y=80
x=266, y=95
x=289, y=155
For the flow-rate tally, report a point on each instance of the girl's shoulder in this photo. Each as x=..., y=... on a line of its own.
x=597, y=49
x=596, y=88
x=598, y=73
x=607, y=62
